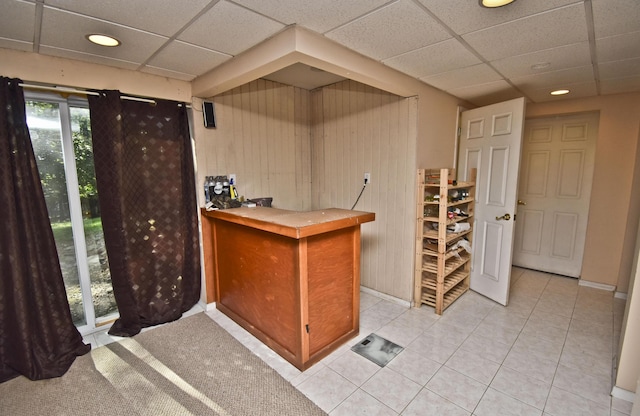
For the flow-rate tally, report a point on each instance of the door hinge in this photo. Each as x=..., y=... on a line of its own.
x=459, y=132
x=307, y=328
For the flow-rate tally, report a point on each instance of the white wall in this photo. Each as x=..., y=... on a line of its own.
x=628, y=371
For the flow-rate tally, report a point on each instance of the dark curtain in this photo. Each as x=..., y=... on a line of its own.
x=146, y=187
x=37, y=336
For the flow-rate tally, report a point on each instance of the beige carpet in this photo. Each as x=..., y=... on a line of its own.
x=187, y=367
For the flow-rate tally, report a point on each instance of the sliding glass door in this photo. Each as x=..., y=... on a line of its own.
x=61, y=136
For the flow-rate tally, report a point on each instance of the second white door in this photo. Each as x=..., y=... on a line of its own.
x=554, y=193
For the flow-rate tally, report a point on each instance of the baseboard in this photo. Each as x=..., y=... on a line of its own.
x=620, y=295
x=207, y=306
x=623, y=394
x=386, y=297
x=197, y=308
x=596, y=285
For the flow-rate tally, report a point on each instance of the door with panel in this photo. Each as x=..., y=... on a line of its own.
x=554, y=193
x=490, y=141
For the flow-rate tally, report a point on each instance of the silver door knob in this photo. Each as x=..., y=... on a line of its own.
x=505, y=217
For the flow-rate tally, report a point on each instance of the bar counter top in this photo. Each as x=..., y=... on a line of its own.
x=293, y=224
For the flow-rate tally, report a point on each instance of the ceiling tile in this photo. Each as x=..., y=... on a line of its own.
x=65, y=30
x=465, y=77
x=614, y=48
x=562, y=57
x=166, y=73
x=187, y=59
x=230, y=29
x=392, y=30
x=434, y=59
x=465, y=16
x=619, y=69
x=17, y=21
x=163, y=17
x=563, y=26
x=620, y=85
x=87, y=57
x=15, y=44
x=614, y=17
x=319, y=16
x=555, y=79
x=485, y=94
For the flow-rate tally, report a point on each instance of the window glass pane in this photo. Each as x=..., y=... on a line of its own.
x=85, y=270
x=43, y=119
x=101, y=288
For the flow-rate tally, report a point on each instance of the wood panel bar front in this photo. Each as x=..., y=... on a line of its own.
x=292, y=279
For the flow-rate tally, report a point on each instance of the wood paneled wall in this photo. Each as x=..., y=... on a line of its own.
x=310, y=150
x=262, y=136
x=358, y=129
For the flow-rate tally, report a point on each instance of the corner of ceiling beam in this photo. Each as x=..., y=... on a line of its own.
x=295, y=44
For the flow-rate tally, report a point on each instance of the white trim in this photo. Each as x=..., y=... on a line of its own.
x=75, y=214
x=208, y=306
x=620, y=295
x=197, y=308
x=384, y=296
x=623, y=394
x=596, y=285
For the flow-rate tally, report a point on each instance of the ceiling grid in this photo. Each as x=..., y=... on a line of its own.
x=526, y=48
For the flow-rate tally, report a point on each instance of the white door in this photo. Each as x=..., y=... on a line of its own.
x=554, y=193
x=490, y=141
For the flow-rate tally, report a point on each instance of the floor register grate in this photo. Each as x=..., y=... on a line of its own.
x=377, y=349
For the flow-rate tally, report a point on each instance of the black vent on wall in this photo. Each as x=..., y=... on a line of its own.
x=209, y=115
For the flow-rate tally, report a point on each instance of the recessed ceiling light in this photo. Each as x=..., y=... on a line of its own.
x=559, y=92
x=103, y=40
x=494, y=3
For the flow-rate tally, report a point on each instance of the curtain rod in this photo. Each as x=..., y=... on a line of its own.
x=85, y=92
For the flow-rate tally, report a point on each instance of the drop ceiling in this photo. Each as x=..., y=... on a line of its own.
x=528, y=48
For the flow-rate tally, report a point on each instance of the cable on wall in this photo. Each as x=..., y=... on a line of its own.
x=358, y=199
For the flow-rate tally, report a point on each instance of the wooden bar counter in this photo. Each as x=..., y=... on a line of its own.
x=290, y=278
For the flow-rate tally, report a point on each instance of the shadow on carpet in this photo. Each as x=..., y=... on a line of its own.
x=188, y=367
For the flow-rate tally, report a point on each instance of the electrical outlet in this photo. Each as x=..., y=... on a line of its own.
x=232, y=178
x=367, y=178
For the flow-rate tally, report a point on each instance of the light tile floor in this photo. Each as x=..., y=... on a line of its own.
x=548, y=353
